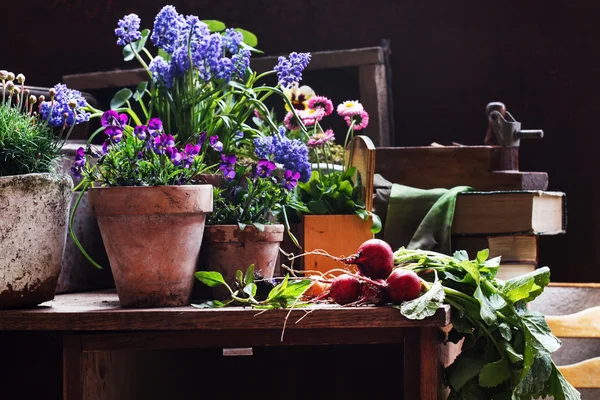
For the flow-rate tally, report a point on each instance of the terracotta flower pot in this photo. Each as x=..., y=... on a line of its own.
x=34, y=214
x=227, y=249
x=152, y=237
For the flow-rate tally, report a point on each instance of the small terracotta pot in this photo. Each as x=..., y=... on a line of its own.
x=227, y=249
x=152, y=237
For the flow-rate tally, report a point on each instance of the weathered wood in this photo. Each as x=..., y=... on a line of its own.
x=431, y=364
x=361, y=154
x=583, y=324
x=72, y=368
x=412, y=364
x=583, y=374
x=100, y=311
x=319, y=60
x=428, y=167
x=374, y=95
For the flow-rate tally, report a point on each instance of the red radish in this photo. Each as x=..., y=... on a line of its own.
x=345, y=289
x=374, y=259
x=375, y=294
x=403, y=285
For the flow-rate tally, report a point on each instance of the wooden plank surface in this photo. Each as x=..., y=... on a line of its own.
x=72, y=368
x=584, y=374
x=583, y=324
x=319, y=60
x=100, y=311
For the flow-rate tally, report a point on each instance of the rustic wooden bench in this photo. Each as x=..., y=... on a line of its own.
x=94, y=322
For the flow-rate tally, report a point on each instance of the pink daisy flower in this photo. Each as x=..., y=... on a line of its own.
x=291, y=122
x=349, y=108
x=321, y=102
x=321, y=139
x=361, y=120
x=311, y=116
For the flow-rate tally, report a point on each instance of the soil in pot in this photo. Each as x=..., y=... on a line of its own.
x=34, y=210
x=152, y=237
x=227, y=248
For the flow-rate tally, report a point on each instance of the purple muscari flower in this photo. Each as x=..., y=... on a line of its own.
x=293, y=154
x=224, y=69
x=180, y=62
x=290, y=179
x=201, y=139
x=162, y=143
x=161, y=71
x=174, y=155
x=128, y=29
x=80, y=157
x=155, y=127
x=241, y=62
x=194, y=29
x=53, y=111
x=168, y=26
x=232, y=40
x=264, y=168
x=215, y=143
x=140, y=132
x=263, y=146
x=239, y=135
x=289, y=70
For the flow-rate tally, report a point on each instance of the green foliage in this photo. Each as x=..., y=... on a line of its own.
x=506, y=352
x=26, y=144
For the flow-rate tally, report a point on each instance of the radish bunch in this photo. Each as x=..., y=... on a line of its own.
x=377, y=281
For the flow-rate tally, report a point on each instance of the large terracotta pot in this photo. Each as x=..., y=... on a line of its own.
x=152, y=237
x=34, y=214
x=227, y=249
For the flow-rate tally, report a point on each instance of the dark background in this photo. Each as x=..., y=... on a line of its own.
x=449, y=59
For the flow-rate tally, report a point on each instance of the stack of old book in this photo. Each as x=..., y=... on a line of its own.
x=508, y=223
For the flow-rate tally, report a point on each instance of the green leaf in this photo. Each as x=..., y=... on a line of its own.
x=242, y=226
x=461, y=255
x=214, y=25
x=376, y=226
x=513, y=355
x=464, y=368
x=239, y=276
x=260, y=227
x=120, y=98
x=527, y=287
x=488, y=309
x=210, y=278
x=211, y=304
x=482, y=255
x=425, y=305
x=493, y=374
x=471, y=268
x=535, y=324
x=166, y=56
x=138, y=45
x=250, y=289
x=318, y=207
x=249, y=38
x=559, y=388
x=279, y=288
x=537, y=375
x=505, y=331
x=249, y=275
x=140, y=90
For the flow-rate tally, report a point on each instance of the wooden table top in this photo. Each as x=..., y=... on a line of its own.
x=100, y=311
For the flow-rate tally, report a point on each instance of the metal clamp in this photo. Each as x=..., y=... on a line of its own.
x=504, y=130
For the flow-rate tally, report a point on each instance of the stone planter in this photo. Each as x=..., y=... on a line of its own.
x=227, y=249
x=34, y=211
x=152, y=236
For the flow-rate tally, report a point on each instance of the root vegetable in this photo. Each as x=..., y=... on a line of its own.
x=375, y=294
x=345, y=289
x=316, y=289
x=374, y=259
x=403, y=285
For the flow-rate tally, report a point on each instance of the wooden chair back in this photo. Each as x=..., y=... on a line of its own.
x=573, y=314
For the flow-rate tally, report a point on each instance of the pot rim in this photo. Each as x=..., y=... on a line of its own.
x=52, y=175
x=233, y=233
x=268, y=227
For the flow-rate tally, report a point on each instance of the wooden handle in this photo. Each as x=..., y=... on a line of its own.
x=584, y=374
x=584, y=324
x=360, y=153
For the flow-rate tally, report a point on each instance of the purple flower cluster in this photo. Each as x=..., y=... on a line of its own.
x=57, y=111
x=289, y=70
x=227, y=166
x=291, y=153
x=191, y=46
x=128, y=30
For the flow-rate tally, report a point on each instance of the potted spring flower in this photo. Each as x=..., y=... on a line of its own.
x=245, y=229
x=335, y=198
x=34, y=197
x=166, y=139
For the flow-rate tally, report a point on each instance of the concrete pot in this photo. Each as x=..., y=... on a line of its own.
x=152, y=236
x=227, y=249
x=34, y=213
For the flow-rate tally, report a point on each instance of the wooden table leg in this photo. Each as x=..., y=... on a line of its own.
x=423, y=366
x=72, y=368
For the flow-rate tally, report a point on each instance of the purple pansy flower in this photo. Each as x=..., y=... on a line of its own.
x=162, y=143
x=115, y=133
x=290, y=179
x=189, y=153
x=155, y=127
x=113, y=118
x=78, y=163
x=215, y=143
x=173, y=155
x=227, y=166
x=140, y=132
x=264, y=168
x=201, y=139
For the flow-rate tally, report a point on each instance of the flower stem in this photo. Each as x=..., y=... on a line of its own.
x=72, y=231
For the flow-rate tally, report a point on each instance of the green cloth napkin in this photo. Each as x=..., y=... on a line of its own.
x=421, y=218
